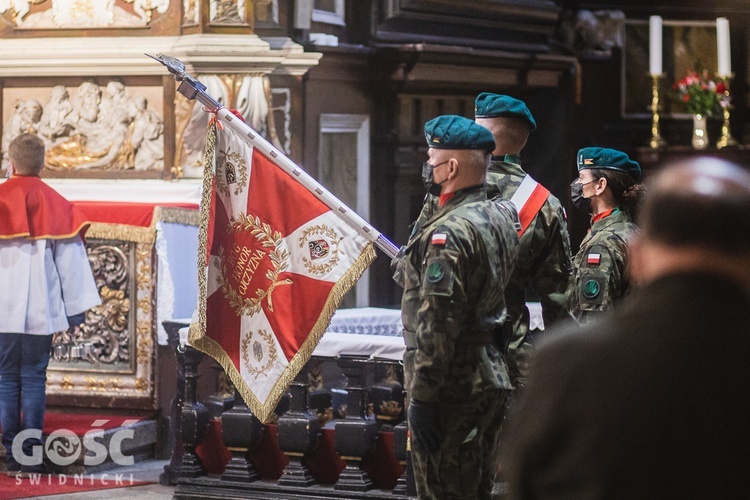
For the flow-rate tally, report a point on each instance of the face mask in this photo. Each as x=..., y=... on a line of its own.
x=576, y=196
x=428, y=179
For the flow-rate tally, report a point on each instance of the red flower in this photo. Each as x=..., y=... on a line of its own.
x=721, y=88
x=686, y=97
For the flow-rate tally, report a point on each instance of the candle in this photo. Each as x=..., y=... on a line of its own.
x=654, y=43
x=722, y=46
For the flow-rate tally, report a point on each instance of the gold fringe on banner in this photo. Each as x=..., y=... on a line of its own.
x=197, y=331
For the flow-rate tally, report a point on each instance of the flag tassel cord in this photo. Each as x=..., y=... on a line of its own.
x=191, y=88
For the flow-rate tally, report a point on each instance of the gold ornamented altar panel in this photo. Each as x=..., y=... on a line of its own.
x=109, y=360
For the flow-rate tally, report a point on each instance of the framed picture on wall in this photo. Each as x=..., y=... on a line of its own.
x=687, y=45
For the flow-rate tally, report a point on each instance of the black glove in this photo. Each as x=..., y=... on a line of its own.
x=77, y=319
x=423, y=424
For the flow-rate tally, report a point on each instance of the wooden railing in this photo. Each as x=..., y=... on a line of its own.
x=339, y=432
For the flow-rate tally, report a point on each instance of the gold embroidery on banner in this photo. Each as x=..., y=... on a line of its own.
x=258, y=352
x=250, y=260
x=330, y=253
x=228, y=167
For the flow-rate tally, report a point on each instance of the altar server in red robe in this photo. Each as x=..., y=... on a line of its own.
x=46, y=285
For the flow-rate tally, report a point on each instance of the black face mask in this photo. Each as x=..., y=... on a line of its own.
x=428, y=179
x=576, y=196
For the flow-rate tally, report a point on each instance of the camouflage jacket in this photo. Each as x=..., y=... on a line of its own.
x=454, y=270
x=544, y=257
x=600, y=278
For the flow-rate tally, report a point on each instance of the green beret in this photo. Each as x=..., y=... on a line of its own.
x=457, y=132
x=609, y=159
x=488, y=105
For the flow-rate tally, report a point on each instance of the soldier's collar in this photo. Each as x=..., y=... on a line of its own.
x=508, y=159
x=462, y=194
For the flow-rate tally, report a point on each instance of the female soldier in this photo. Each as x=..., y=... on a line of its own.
x=606, y=188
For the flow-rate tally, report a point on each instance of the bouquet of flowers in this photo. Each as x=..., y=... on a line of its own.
x=699, y=94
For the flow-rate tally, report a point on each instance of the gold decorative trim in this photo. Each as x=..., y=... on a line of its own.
x=197, y=331
x=107, y=231
x=176, y=215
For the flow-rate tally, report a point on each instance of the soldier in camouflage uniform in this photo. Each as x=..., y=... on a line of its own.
x=607, y=188
x=544, y=258
x=454, y=270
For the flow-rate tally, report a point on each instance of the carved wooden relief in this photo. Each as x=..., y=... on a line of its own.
x=93, y=127
x=63, y=14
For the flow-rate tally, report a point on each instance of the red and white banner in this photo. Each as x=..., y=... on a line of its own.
x=276, y=262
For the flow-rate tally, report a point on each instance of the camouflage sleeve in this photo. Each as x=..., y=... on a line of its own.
x=554, y=265
x=600, y=278
x=442, y=311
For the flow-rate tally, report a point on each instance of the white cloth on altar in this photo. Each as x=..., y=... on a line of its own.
x=367, y=320
x=43, y=282
x=177, y=280
x=129, y=190
x=335, y=344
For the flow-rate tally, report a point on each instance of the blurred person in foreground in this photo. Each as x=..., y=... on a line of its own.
x=651, y=400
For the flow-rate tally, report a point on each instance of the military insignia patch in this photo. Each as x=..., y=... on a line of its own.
x=593, y=259
x=435, y=272
x=439, y=239
x=591, y=289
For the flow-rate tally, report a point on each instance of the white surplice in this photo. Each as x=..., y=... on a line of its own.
x=42, y=282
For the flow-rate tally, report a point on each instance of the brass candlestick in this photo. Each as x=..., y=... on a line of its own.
x=656, y=141
x=726, y=138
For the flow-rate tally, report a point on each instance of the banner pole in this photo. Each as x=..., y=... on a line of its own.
x=191, y=88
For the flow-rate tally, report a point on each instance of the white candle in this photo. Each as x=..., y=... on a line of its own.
x=654, y=43
x=722, y=46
